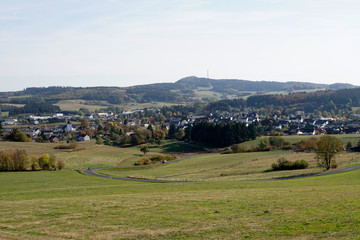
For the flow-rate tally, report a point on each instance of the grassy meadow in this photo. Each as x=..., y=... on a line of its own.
x=75, y=105
x=226, y=200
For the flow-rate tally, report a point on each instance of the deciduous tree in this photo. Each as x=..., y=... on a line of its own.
x=326, y=149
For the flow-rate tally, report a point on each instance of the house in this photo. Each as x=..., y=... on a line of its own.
x=47, y=133
x=308, y=130
x=54, y=139
x=69, y=127
x=321, y=123
x=102, y=115
x=83, y=138
x=35, y=132
x=309, y=121
x=294, y=131
x=284, y=122
x=89, y=117
x=297, y=119
x=58, y=115
x=9, y=122
x=351, y=130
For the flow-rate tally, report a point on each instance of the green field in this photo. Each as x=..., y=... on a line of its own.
x=345, y=138
x=75, y=105
x=224, y=203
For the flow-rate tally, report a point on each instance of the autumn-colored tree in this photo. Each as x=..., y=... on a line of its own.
x=74, y=145
x=84, y=123
x=99, y=140
x=326, y=149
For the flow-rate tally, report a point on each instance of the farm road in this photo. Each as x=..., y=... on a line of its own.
x=315, y=174
x=90, y=171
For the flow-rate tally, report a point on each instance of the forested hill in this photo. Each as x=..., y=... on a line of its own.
x=246, y=85
x=186, y=90
x=339, y=100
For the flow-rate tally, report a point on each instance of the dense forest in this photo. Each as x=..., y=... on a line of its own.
x=182, y=91
x=309, y=102
x=36, y=107
x=220, y=134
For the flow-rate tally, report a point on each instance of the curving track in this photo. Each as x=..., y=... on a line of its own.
x=90, y=171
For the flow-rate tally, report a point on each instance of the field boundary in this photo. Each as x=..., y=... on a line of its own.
x=90, y=171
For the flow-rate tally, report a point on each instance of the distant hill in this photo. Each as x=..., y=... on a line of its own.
x=246, y=85
x=186, y=90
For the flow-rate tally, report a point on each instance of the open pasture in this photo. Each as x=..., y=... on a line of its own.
x=230, y=167
x=69, y=205
x=226, y=200
x=345, y=138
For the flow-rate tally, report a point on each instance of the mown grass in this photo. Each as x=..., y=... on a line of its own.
x=225, y=204
x=170, y=146
x=230, y=167
x=69, y=205
x=88, y=154
x=345, y=138
x=75, y=105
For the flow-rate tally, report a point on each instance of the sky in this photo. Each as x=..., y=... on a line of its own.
x=124, y=43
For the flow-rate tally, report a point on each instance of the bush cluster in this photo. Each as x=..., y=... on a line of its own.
x=283, y=164
x=154, y=159
x=13, y=161
x=307, y=145
x=18, y=161
x=63, y=147
x=16, y=135
x=276, y=141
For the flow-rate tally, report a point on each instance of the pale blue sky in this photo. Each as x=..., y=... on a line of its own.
x=122, y=43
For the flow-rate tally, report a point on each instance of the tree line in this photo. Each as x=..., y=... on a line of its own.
x=36, y=107
x=18, y=161
x=220, y=134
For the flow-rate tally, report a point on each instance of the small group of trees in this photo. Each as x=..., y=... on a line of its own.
x=18, y=161
x=220, y=134
x=154, y=160
x=326, y=148
x=284, y=164
x=46, y=162
x=14, y=160
x=16, y=135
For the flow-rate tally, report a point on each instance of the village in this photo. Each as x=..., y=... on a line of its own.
x=60, y=127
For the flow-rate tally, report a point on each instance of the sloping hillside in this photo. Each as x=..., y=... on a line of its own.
x=186, y=90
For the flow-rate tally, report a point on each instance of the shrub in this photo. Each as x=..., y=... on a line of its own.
x=17, y=135
x=147, y=161
x=60, y=165
x=63, y=147
x=333, y=164
x=284, y=164
x=300, y=164
x=349, y=145
x=276, y=141
x=237, y=148
x=74, y=145
x=139, y=162
x=227, y=150
x=34, y=164
x=154, y=159
x=307, y=145
x=262, y=145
